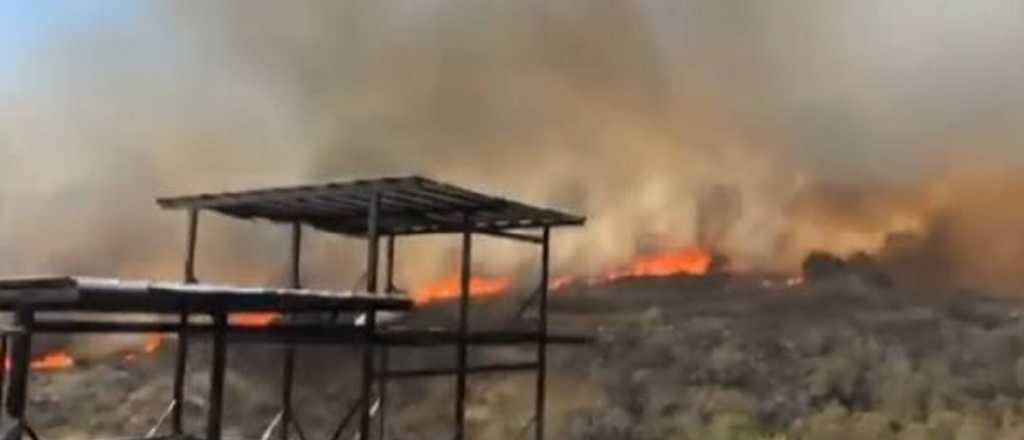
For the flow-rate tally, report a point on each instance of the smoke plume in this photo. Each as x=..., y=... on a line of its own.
x=836, y=125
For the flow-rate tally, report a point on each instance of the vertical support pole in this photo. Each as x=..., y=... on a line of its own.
x=389, y=279
x=17, y=391
x=288, y=373
x=463, y=352
x=3, y=369
x=219, y=362
x=382, y=388
x=372, y=243
x=542, y=335
x=181, y=361
x=190, y=250
x=366, y=388
x=370, y=323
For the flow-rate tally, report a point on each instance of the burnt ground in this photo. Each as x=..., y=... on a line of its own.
x=675, y=358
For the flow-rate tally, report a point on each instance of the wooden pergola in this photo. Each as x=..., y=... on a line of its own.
x=370, y=209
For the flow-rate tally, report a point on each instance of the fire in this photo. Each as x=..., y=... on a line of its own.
x=451, y=286
x=53, y=361
x=688, y=261
x=561, y=282
x=153, y=341
x=254, y=319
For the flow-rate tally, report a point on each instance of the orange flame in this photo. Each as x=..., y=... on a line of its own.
x=561, y=282
x=53, y=361
x=254, y=319
x=451, y=286
x=688, y=261
x=153, y=341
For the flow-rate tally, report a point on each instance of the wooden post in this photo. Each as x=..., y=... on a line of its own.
x=542, y=342
x=370, y=323
x=288, y=373
x=463, y=352
x=21, y=353
x=181, y=361
x=219, y=362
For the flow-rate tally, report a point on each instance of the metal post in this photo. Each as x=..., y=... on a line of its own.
x=367, y=379
x=288, y=373
x=542, y=342
x=215, y=412
x=463, y=352
x=17, y=391
x=3, y=369
x=382, y=388
x=181, y=361
x=372, y=243
x=190, y=250
x=370, y=323
x=390, y=262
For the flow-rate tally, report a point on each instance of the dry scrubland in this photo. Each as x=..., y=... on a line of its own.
x=676, y=359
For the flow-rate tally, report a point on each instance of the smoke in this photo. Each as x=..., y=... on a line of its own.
x=836, y=124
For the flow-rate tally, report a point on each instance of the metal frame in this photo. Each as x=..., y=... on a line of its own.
x=464, y=212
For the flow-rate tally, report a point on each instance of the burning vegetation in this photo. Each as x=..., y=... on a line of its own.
x=723, y=356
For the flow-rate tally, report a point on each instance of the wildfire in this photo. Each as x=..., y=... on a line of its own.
x=152, y=343
x=254, y=319
x=688, y=261
x=451, y=286
x=53, y=361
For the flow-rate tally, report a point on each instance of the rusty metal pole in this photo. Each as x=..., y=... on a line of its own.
x=216, y=411
x=463, y=352
x=181, y=361
x=17, y=390
x=542, y=335
x=370, y=323
x=288, y=373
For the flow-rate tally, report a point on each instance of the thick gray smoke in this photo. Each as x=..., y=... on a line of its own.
x=837, y=123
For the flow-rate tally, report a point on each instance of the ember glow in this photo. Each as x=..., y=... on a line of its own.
x=686, y=261
x=450, y=287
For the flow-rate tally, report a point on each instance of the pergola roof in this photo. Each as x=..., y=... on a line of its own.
x=408, y=205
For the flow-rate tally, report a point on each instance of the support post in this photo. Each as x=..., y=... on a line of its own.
x=389, y=279
x=370, y=323
x=288, y=373
x=181, y=361
x=542, y=334
x=463, y=352
x=3, y=369
x=190, y=250
x=17, y=391
x=382, y=388
x=366, y=388
x=216, y=411
x=372, y=243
